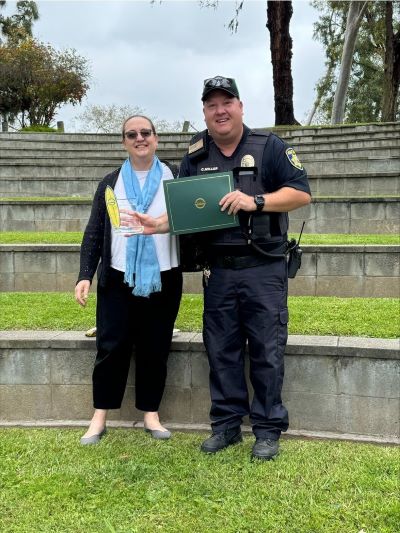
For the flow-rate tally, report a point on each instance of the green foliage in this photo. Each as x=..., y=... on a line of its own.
x=50, y=199
x=364, y=96
x=309, y=315
x=18, y=27
x=38, y=129
x=348, y=239
x=70, y=237
x=62, y=237
x=36, y=79
x=131, y=483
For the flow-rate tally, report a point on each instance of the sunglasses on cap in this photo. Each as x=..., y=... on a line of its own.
x=219, y=81
x=132, y=134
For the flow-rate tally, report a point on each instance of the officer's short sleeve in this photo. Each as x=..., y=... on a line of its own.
x=282, y=167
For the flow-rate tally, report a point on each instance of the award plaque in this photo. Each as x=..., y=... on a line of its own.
x=114, y=206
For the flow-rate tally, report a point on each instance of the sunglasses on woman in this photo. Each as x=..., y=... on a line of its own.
x=145, y=133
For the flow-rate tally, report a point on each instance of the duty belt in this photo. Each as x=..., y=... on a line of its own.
x=246, y=261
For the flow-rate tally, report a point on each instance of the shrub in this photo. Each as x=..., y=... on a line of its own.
x=38, y=129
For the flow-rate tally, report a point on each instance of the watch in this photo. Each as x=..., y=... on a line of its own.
x=259, y=200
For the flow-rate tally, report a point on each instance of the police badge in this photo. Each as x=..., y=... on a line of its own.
x=247, y=161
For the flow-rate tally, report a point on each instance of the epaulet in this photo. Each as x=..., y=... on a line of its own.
x=262, y=133
x=198, y=145
x=173, y=168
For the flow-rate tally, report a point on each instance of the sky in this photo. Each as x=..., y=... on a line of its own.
x=156, y=55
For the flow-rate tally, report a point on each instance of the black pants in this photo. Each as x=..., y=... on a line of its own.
x=124, y=321
x=248, y=304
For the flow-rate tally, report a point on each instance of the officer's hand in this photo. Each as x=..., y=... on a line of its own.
x=82, y=292
x=235, y=201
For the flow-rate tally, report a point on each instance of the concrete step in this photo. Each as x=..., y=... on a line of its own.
x=345, y=385
x=357, y=136
x=305, y=131
x=294, y=135
x=100, y=138
x=349, y=216
x=74, y=167
x=110, y=144
x=325, y=215
x=83, y=181
x=307, y=152
x=346, y=271
x=354, y=184
x=339, y=130
x=53, y=149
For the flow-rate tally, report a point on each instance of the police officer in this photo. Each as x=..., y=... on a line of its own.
x=245, y=283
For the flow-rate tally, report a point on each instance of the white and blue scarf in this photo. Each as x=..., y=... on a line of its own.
x=142, y=270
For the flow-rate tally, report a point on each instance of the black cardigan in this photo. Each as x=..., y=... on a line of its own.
x=96, y=242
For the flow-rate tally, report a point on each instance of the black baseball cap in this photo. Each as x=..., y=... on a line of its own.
x=222, y=84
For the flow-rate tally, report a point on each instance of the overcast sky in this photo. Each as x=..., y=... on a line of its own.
x=156, y=56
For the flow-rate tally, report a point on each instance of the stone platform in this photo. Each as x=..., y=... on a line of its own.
x=343, y=386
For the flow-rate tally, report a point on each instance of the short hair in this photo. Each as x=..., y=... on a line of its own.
x=153, y=129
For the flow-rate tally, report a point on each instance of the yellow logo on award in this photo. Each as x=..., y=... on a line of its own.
x=200, y=203
x=112, y=207
x=247, y=161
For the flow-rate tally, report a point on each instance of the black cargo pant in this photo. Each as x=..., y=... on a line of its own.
x=247, y=304
x=124, y=321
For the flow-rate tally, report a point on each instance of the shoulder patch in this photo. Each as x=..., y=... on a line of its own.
x=293, y=159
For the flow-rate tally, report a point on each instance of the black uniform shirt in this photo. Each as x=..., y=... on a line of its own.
x=280, y=165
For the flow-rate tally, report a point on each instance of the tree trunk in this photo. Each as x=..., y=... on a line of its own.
x=279, y=14
x=320, y=92
x=354, y=16
x=392, y=68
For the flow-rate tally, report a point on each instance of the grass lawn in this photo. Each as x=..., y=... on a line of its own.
x=131, y=483
x=39, y=237
x=49, y=199
x=365, y=317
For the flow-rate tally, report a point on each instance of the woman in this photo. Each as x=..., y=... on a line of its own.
x=139, y=286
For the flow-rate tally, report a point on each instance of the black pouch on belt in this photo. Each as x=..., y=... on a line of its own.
x=295, y=253
x=294, y=262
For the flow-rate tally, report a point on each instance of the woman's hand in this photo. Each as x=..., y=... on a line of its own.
x=82, y=292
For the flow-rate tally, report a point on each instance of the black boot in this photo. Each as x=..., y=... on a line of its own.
x=221, y=439
x=265, y=449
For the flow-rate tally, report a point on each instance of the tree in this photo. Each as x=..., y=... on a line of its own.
x=35, y=80
x=279, y=14
x=365, y=92
x=109, y=119
x=18, y=27
x=392, y=67
x=354, y=16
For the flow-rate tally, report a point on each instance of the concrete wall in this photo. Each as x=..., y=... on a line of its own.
x=348, y=271
x=340, y=385
x=57, y=215
x=83, y=182
x=325, y=215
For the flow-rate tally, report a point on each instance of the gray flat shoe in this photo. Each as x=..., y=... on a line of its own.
x=94, y=439
x=158, y=434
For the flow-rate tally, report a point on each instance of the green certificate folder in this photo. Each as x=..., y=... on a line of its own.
x=192, y=203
